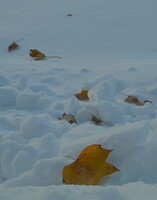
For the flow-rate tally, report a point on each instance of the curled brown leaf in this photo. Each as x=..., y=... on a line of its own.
x=13, y=46
x=68, y=117
x=136, y=101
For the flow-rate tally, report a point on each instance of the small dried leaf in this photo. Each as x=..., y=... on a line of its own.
x=134, y=100
x=83, y=96
x=69, y=118
x=96, y=120
x=37, y=55
x=13, y=46
x=89, y=167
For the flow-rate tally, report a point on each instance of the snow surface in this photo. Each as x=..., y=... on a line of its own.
x=107, y=47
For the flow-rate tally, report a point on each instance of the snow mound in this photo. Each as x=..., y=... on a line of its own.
x=3, y=81
x=26, y=100
x=103, y=91
x=8, y=96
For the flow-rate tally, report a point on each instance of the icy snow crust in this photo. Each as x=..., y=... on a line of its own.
x=108, y=48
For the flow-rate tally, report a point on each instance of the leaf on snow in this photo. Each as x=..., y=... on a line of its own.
x=134, y=100
x=14, y=45
x=69, y=118
x=83, y=95
x=96, y=120
x=89, y=167
x=37, y=55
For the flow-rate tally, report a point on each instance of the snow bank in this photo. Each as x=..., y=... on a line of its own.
x=44, y=172
x=34, y=147
x=62, y=192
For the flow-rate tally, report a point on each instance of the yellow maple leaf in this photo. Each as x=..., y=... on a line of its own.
x=83, y=95
x=89, y=167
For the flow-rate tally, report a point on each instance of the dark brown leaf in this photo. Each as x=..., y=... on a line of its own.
x=135, y=100
x=13, y=46
x=69, y=118
x=96, y=120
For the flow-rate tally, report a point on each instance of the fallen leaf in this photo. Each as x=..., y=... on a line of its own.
x=68, y=117
x=96, y=120
x=134, y=100
x=89, y=167
x=14, y=45
x=83, y=96
x=37, y=55
x=69, y=15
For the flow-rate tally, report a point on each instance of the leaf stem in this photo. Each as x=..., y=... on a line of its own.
x=19, y=39
x=70, y=157
x=53, y=57
x=121, y=93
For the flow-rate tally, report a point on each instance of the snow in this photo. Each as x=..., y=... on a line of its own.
x=107, y=47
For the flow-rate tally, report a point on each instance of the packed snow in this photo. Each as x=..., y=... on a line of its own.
x=109, y=48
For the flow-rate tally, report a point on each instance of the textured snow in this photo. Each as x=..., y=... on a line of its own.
x=107, y=47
